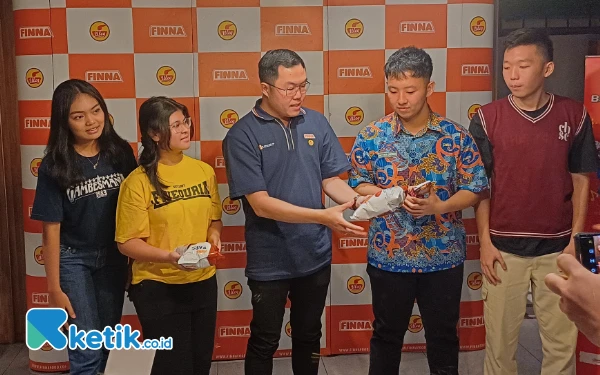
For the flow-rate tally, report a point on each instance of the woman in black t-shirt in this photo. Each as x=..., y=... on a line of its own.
x=76, y=198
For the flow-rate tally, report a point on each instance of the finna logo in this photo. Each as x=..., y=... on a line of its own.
x=44, y=330
x=417, y=27
x=35, y=32
x=563, y=131
x=165, y=31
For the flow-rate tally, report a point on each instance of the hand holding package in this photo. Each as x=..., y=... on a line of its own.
x=384, y=201
x=194, y=256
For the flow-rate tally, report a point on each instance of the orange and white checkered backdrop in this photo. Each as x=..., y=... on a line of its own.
x=204, y=53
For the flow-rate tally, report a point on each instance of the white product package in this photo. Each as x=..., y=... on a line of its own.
x=194, y=256
x=384, y=201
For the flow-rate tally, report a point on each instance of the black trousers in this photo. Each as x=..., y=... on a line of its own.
x=185, y=312
x=307, y=295
x=438, y=296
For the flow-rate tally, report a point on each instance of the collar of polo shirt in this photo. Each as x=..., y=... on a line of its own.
x=261, y=113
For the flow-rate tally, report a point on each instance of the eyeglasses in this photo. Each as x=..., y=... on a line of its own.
x=176, y=126
x=303, y=87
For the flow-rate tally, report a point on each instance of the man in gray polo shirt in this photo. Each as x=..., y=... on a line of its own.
x=279, y=159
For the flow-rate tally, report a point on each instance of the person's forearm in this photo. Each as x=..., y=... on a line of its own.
x=581, y=188
x=366, y=188
x=215, y=228
x=51, y=251
x=461, y=200
x=139, y=250
x=276, y=209
x=482, y=217
x=338, y=190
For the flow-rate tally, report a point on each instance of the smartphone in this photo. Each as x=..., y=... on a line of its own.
x=419, y=189
x=587, y=250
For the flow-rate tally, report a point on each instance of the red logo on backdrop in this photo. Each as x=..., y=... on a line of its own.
x=46, y=347
x=235, y=331
x=415, y=324
x=227, y=30
x=40, y=298
x=288, y=329
x=355, y=284
x=233, y=290
x=475, y=280
x=34, y=78
x=99, y=31
x=166, y=75
x=473, y=110
x=478, y=26
x=228, y=118
x=354, y=28
x=38, y=255
x=34, y=166
x=231, y=207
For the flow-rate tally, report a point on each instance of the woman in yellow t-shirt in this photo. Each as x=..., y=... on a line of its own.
x=171, y=200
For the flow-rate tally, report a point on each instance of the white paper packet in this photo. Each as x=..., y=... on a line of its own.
x=194, y=256
x=384, y=201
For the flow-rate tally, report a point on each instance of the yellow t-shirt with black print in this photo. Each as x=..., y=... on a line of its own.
x=141, y=213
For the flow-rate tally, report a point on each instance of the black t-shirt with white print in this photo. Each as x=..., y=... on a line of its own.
x=86, y=211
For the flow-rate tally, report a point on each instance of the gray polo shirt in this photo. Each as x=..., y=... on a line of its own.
x=290, y=163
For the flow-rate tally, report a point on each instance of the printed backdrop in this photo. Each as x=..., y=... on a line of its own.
x=204, y=53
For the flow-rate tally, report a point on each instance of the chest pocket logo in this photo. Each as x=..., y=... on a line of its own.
x=563, y=131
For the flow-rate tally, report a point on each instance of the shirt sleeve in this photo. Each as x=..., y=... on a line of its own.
x=483, y=144
x=216, y=210
x=471, y=173
x=333, y=158
x=132, y=211
x=362, y=170
x=583, y=156
x=243, y=165
x=49, y=197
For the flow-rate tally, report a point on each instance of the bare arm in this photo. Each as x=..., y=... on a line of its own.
x=482, y=216
x=367, y=189
x=139, y=250
x=461, y=200
x=581, y=189
x=338, y=190
x=214, y=229
x=51, y=251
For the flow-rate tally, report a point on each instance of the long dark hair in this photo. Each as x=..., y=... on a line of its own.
x=154, y=120
x=61, y=156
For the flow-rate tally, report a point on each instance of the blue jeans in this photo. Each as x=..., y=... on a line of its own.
x=94, y=281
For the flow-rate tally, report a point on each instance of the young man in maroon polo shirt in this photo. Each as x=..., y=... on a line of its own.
x=538, y=149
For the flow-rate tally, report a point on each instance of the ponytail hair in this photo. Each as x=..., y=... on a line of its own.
x=154, y=120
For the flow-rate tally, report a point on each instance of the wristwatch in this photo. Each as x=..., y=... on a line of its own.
x=355, y=202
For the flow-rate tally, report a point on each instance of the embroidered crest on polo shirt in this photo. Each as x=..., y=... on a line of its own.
x=563, y=131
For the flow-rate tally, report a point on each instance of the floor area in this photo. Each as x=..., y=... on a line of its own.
x=14, y=360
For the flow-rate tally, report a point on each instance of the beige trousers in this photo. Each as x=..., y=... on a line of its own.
x=504, y=311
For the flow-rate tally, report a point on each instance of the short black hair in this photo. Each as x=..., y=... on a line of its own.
x=268, y=66
x=531, y=37
x=411, y=60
